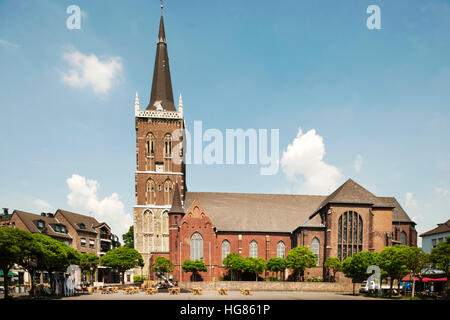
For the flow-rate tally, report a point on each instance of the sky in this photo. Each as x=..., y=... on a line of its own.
x=349, y=102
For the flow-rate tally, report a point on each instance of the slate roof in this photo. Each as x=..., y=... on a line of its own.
x=398, y=214
x=441, y=228
x=256, y=212
x=30, y=220
x=75, y=219
x=162, y=83
x=282, y=212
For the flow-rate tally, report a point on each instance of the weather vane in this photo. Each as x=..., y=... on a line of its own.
x=162, y=7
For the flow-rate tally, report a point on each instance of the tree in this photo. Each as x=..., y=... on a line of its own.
x=195, y=267
x=440, y=256
x=128, y=238
x=122, y=259
x=34, y=258
x=13, y=244
x=235, y=264
x=276, y=264
x=55, y=256
x=392, y=261
x=299, y=259
x=333, y=265
x=89, y=262
x=162, y=265
x=415, y=261
x=356, y=267
x=256, y=266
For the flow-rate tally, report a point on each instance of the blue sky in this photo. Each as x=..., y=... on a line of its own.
x=380, y=94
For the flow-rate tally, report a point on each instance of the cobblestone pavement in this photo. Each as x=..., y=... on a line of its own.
x=232, y=295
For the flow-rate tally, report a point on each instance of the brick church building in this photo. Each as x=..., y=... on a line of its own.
x=172, y=222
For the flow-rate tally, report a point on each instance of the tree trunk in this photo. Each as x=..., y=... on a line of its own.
x=413, y=286
x=353, y=287
x=122, y=277
x=5, y=280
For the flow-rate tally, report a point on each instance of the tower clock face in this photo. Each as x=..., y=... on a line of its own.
x=159, y=168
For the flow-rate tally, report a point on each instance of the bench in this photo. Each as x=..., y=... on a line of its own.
x=246, y=291
x=197, y=291
x=222, y=291
x=174, y=290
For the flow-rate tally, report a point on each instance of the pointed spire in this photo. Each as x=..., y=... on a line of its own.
x=176, y=201
x=161, y=97
x=136, y=102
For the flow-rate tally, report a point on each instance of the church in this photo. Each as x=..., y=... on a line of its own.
x=172, y=222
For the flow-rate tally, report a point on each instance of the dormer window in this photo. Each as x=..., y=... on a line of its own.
x=57, y=228
x=82, y=226
x=40, y=224
x=63, y=229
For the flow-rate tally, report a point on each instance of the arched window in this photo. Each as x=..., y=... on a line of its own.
x=403, y=238
x=315, y=248
x=167, y=145
x=165, y=222
x=147, y=221
x=196, y=247
x=225, y=249
x=168, y=192
x=350, y=234
x=253, y=249
x=150, y=195
x=149, y=144
x=281, y=249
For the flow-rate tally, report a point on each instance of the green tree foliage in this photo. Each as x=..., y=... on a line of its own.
x=333, y=265
x=355, y=267
x=299, y=259
x=122, y=259
x=195, y=267
x=13, y=249
x=276, y=264
x=128, y=238
x=440, y=256
x=392, y=261
x=415, y=261
x=235, y=264
x=256, y=266
x=162, y=265
x=89, y=262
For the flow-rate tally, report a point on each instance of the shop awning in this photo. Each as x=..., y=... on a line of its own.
x=10, y=274
x=434, y=280
x=408, y=279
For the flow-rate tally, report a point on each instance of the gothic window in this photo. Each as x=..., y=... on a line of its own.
x=165, y=222
x=149, y=144
x=253, y=249
x=225, y=249
x=167, y=145
x=196, y=247
x=168, y=192
x=350, y=234
x=281, y=249
x=150, y=195
x=403, y=238
x=315, y=248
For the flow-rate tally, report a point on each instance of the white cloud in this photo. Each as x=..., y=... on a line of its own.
x=442, y=192
x=358, y=163
x=7, y=44
x=83, y=198
x=101, y=74
x=304, y=157
x=42, y=205
x=410, y=201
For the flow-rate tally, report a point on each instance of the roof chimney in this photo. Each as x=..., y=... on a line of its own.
x=5, y=211
x=43, y=214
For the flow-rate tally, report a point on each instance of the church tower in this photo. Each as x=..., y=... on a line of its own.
x=158, y=155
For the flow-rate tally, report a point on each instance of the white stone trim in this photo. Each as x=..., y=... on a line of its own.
x=168, y=206
x=162, y=172
x=164, y=114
